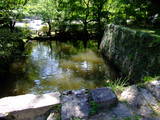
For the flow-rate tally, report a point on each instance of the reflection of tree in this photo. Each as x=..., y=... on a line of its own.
x=21, y=75
x=18, y=79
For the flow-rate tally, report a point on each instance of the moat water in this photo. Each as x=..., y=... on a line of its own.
x=52, y=66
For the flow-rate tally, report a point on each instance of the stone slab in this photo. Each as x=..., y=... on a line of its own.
x=26, y=107
x=105, y=97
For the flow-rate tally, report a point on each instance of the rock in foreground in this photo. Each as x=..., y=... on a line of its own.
x=105, y=97
x=141, y=101
x=140, y=104
x=154, y=87
x=29, y=106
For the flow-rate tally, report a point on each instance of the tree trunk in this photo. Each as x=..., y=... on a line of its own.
x=49, y=29
x=99, y=24
x=12, y=25
x=99, y=31
x=85, y=34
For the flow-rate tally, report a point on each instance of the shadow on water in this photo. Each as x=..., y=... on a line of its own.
x=51, y=66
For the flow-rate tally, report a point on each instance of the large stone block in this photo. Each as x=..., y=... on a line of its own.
x=105, y=97
x=29, y=106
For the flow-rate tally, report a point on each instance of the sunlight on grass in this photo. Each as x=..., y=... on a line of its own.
x=148, y=31
x=154, y=32
x=118, y=84
x=149, y=78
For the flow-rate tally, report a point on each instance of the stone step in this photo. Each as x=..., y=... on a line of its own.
x=27, y=107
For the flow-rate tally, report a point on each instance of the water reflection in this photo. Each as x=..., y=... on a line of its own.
x=52, y=66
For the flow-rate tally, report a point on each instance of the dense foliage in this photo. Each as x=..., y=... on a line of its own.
x=87, y=15
x=10, y=11
x=82, y=18
x=11, y=38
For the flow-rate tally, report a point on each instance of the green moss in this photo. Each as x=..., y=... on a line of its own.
x=136, y=117
x=94, y=108
x=147, y=79
x=135, y=53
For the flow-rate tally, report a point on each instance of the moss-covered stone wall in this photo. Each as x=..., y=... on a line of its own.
x=135, y=54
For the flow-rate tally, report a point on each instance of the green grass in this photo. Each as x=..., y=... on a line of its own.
x=118, y=84
x=147, y=79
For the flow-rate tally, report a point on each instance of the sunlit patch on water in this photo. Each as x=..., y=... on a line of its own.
x=83, y=62
x=87, y=56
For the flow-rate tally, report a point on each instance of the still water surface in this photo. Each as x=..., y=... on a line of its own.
x=51, y=66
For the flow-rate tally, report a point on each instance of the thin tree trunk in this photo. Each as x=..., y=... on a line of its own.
x=99, y=24
x=85, y=34
x=49, y=29
x=12, y=25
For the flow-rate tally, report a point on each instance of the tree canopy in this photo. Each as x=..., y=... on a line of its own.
x=82, y=14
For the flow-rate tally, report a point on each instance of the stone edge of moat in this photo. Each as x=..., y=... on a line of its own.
x=101, y=103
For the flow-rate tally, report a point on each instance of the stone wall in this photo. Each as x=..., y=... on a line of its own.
x=134, y=54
